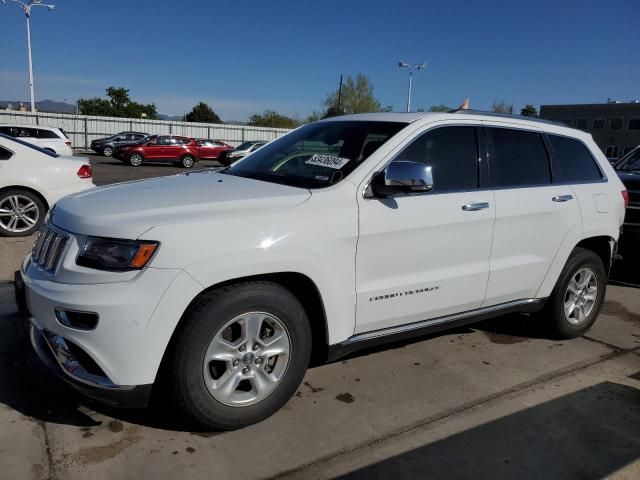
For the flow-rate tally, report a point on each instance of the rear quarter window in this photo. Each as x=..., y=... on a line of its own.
x=47, y=134
x=572, y=161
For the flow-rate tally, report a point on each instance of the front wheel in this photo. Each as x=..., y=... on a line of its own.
x=107, y=151
x=578, y=295
x=135, y=160
x=240, y=354
x=187, y=161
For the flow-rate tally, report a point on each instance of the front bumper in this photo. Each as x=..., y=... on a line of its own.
x=56, y=353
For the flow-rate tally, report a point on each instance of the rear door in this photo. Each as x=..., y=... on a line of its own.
x=173, y=149
x=533, y=216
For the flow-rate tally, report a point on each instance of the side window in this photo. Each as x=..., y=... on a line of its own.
x=5, y=154
x=616, y=124
x=519, y=158
x=598, y=123
x=47, y=134
x=573, y=163
x=163, y=141
x=611, y=151
x=582, y=123
x=634, y=124
x=452, y=154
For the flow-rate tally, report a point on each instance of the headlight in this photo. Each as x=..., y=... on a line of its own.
x=118, y=255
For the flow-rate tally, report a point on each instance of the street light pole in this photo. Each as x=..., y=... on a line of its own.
x=26, y=8
x=411, y=69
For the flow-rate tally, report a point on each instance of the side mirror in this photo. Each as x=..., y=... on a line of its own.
x=402, y=178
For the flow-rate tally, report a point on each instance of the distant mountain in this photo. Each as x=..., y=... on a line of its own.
x=162, y=116
x=49, y=106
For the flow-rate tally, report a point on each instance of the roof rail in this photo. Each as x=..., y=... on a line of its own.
x=507, y=115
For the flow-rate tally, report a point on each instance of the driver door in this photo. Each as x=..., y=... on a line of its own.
x=423, y=256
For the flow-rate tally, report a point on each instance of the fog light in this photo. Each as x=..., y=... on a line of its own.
x=76, y=319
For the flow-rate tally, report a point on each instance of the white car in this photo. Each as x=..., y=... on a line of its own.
x=344, y=233
x=31, y=181
x=52, y=139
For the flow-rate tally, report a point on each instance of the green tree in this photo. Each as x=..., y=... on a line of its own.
x=203, y=113
x=356, y=97
x=119, y=104
x=333, y=111
x=440, y=108
x=271, y=118
x=502, y=107
x=529, y=111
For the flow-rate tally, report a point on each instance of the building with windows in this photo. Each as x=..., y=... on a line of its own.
x=615, y=126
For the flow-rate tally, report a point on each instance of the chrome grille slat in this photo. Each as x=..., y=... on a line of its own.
x=48, y=249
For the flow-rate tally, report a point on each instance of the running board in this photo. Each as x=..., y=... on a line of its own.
x=415, y=329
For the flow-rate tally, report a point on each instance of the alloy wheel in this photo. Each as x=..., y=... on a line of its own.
x=18, y=213
x=581, y=296
x=246, y=359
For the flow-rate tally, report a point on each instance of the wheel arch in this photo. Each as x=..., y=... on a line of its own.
x=30, y=190
x=301, y=286
x=602, y=245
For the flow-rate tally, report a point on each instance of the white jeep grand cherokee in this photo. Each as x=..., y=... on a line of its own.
x=224, y=285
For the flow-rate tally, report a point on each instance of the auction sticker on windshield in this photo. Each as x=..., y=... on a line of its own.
x=327, y=161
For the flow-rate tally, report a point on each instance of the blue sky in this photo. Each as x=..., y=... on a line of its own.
x=244, y=56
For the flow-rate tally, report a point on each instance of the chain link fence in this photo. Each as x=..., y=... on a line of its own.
x=82, y=129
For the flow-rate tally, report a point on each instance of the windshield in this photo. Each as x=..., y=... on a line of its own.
x=316, y=155
x=30, y=145
x=630, y=162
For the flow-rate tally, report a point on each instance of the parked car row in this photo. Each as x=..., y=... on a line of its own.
x=135, y=148
x=52, y=139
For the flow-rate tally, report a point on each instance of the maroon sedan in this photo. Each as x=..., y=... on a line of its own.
x=163, y=148
x=211, y=149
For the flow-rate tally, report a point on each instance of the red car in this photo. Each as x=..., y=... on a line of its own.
x=211, y=149
x=163, y=148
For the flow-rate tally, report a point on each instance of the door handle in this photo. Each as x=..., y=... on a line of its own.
x=562, y=198
x=472, y=207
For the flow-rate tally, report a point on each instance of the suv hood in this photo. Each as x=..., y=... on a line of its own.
x=127, y=210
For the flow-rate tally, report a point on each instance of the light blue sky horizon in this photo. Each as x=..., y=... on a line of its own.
x=243, y=56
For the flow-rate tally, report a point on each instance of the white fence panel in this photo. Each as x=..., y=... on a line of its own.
x=82, y=129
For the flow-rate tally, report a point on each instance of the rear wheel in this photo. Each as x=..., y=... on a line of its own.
x=578, y=295
x=240, y=354
x=107, y=151
x=187, y=161
x=21, y=212
x=135, y=160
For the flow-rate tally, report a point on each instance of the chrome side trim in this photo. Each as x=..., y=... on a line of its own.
x=441, y=320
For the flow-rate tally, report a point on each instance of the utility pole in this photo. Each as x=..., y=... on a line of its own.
x=411, y=69
x=340, y=93
x=26, y=8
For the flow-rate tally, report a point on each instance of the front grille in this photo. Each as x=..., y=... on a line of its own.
x=48, y=249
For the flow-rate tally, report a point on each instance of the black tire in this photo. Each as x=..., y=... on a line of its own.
x=554, y=311
x=187, y=161
x=136, y=159
x=107, y=151
x=203, y=321
x=37, y=213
